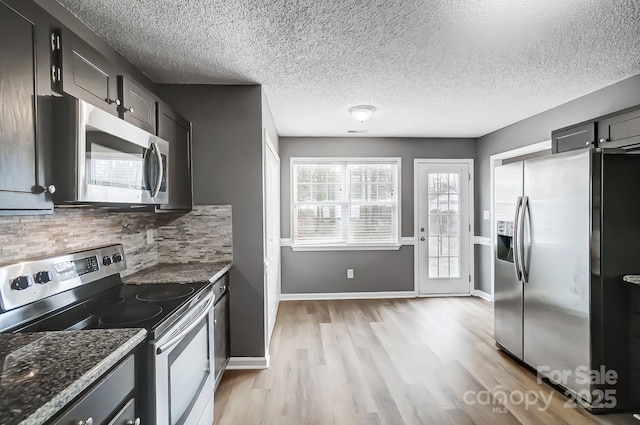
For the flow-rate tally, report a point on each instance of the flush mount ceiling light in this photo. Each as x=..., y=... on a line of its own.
x=362, y=112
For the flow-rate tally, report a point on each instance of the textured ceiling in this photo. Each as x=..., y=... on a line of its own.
x=457, y=68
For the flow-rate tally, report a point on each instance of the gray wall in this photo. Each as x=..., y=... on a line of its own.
x=538, y=129
x=227, y=170
x=375, y=271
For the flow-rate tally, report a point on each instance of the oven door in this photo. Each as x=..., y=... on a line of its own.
x=117, y=161
x=184, y=378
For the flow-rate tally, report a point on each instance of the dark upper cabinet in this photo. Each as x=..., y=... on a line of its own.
x=574, y=137
x=621, y=130
x=88, y=75
x=177, y=131
x=138, y=106
x=23, y=77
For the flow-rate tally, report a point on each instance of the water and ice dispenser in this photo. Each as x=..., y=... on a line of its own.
x=505, y=241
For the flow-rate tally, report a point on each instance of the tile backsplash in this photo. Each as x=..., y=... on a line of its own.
x=71, y=229
x=203, y=235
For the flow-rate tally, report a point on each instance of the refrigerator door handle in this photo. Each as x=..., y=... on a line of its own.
x=523, y=265
x=516, y=253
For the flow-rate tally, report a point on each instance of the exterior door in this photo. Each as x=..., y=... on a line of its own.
x=272, y=237
x=444, y=247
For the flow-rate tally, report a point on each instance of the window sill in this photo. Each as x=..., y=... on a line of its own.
x=375, y=247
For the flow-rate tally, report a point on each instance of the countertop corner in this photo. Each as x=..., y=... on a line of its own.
x=179, y=273
x=53, y=368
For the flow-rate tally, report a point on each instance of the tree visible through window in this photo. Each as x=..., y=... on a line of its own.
x=352, y=202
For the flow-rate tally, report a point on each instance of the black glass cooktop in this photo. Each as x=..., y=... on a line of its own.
x=149, y=306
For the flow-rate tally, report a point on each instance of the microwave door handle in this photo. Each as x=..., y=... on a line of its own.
x=176, y=339
x=160, y=174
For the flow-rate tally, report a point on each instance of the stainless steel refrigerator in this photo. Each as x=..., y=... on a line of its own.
x=566, y=233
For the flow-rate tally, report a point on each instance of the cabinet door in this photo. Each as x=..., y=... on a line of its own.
x=621, y=130
x=127, y=415
x=138, y=106
x=88, y=75
x=575, y=137
x=221, y=336
x=21, y=166
x=101, y=402
x=177, y=131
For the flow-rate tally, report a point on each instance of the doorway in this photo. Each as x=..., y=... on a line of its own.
x=444, y=227
x=271, y=236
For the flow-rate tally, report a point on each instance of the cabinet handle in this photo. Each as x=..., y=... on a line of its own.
x=128, y=109
x=51, y=189
x=134, y=422
x=89, y=421
x=604, y=140
x=112, y=101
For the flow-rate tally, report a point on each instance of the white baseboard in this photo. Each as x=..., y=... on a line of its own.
x=347, y=296
x=248, y=363
x=481, y=294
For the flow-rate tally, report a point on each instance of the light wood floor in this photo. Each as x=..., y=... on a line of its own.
x=389, y=362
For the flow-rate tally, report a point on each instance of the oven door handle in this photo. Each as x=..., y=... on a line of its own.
x=173, y=341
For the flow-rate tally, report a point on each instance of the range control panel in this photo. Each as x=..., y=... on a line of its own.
x=29, y=281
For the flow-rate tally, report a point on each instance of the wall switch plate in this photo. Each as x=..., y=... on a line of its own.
x=150, y=236
x=349, y=273
x=486, y=215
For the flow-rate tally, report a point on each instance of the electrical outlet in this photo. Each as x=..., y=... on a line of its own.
x=150, y=236
x=486, y=215
x=349, y=273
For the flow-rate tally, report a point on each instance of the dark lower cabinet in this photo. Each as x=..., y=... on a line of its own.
x=137, y=105
x=177, y=131
x=621, y=130
x=110, y=401
x=221, y=334
x=578, y=136
x=22, y=152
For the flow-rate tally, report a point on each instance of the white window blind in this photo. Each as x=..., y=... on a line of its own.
x=345, y=203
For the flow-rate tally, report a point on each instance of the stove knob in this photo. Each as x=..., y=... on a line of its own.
x=106, y=261
x=43, y=277
x=117, y=258
x=20, y=283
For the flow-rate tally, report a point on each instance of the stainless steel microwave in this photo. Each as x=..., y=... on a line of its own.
x=102, y=159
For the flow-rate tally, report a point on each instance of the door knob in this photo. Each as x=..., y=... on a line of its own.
x=134, y=422
x=422, y=238
x=422, y=229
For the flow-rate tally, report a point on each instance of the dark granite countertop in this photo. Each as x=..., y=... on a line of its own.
x=179, y=273
x=632, y=278
x=42, y=372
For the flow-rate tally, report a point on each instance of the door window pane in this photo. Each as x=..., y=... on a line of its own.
x=444, y=225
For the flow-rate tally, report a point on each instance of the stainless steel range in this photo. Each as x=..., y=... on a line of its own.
x=83, y=290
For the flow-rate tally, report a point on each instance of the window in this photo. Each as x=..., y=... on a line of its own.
x=344, y=203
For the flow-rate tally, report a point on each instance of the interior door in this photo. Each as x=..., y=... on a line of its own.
x=444, y=248
x=272, y=236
